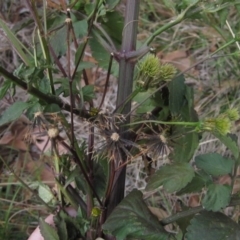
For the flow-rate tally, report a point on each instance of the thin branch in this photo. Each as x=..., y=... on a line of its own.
x=107, y=81
x=49, y=99
x=79, y=163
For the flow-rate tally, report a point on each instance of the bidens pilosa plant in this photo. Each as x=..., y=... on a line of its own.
x=153, y=120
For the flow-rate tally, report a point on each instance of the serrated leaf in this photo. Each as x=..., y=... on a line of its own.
x=132, y=219
x=61, y=227
x=88, y=93
x=210, y=225
x=13, y=112
x=47, y=231
x=196, y=185
x=230, y=141
x=80, y=28
x=214, y=164
x=177, y=90
x=173, y=177
x=217, y=197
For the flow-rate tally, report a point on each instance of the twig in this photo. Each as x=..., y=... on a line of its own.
x=49, y=99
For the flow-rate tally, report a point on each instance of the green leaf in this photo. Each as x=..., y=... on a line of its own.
x=149, y=104
x=230, y=141
x=58, y=41
x=64, y=87
x=113, y=25
x=101, y=55
x=132, y=219
x=177, y=90
x=223, y=14
x=217, y=197
x=80, y=28
x=214, y=164
x=36, y=107
x=88, y=93
x=61, y=227
x=213, y=226
x=173, y=177
x=198, y=182
x=18, y=46
x=4, y=88
x=47, y=231
x=13, y=112
x=85, y=65
x=184, y=145
x=112, y=3
x=45, y=193
x=52, y=108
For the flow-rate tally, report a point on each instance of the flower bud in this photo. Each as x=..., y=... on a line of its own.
x=232, y=114
x=167, y=72
x=221, y=125
x=149, y=70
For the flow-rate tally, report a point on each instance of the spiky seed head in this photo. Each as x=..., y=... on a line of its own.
x=53, y=132
x=115, y=137
x=221, y=125
x=150, y=66
x=68, y=20
x=167, y=72
x=163, y=138
x=232, y=114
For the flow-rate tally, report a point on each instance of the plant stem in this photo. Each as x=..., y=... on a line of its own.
x=192, y=124
x=43, y=41
x=125, y=83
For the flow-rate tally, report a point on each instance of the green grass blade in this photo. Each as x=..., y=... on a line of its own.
x=19, y=47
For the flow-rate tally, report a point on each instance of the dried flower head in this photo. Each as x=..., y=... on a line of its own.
x=156, y=145
x=53, y=132
x=115, y=137
x=115, y=145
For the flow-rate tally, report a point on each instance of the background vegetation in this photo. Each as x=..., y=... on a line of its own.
x=80, y=127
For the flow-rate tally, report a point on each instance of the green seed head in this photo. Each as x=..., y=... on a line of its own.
x=167, y=72
x=96, y=212
x=221, y=125
x=232, y=114
x=149, y=67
